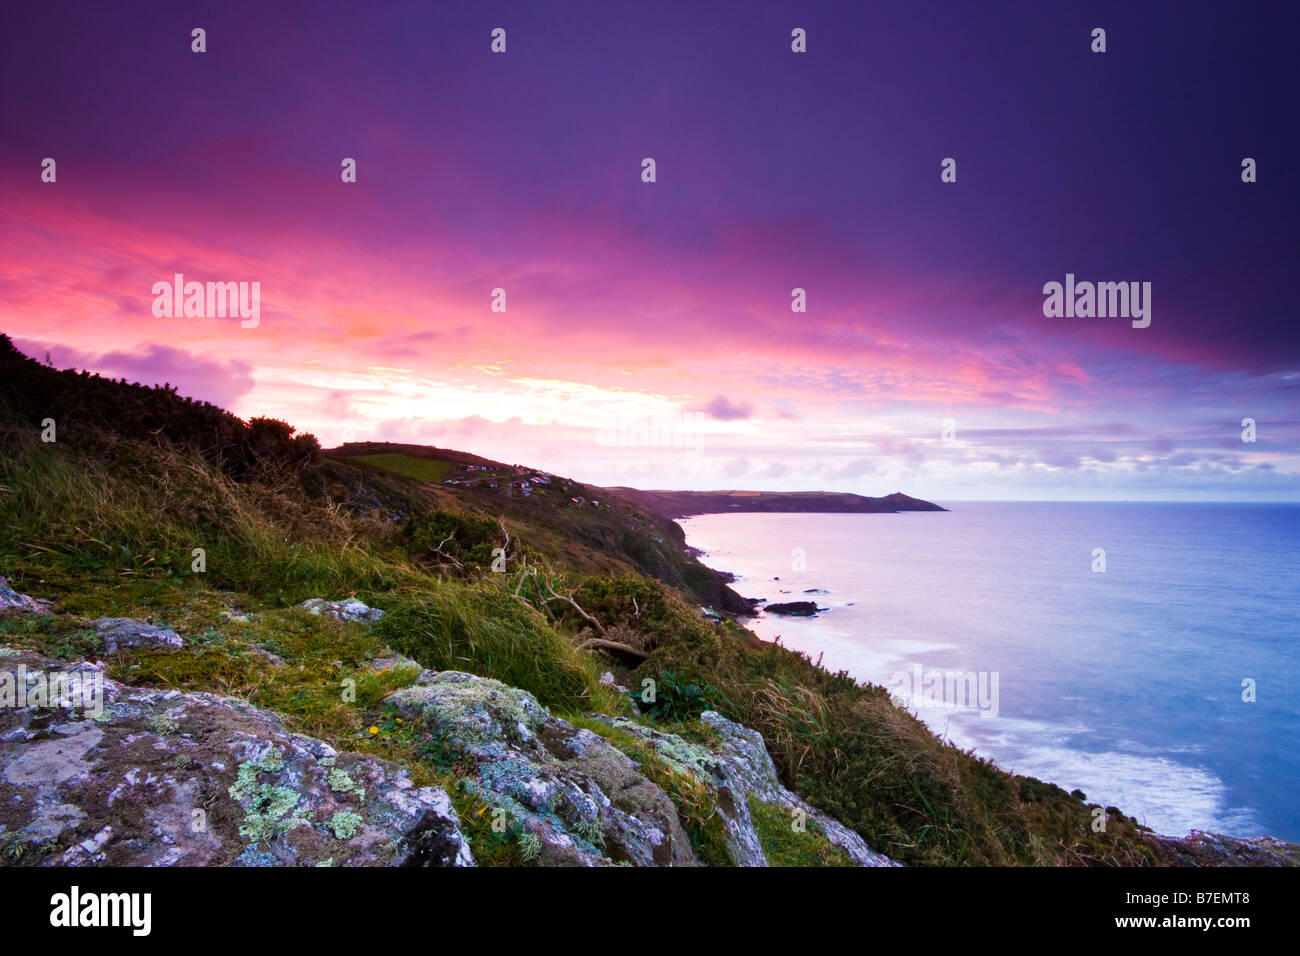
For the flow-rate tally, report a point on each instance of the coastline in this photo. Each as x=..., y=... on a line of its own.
x=792, y=634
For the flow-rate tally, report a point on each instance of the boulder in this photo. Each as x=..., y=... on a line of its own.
x=572, y=797
x=163, y=778
x=13, y=601
x=1200, y=848
x=349, y=609
x=120, y=632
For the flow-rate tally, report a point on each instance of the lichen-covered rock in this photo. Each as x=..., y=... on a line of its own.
x=349, y=609
x=737, y=767
x=13, y=601
x=746, y=758
x=164, y=778
x=120, y=632
x=1199, y=848
x=575, y=798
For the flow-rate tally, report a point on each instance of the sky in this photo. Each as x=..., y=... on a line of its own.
x=648, y=337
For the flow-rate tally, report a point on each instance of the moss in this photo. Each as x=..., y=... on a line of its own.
x=783, y=845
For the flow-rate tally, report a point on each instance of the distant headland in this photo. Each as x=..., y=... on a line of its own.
x=681, y=504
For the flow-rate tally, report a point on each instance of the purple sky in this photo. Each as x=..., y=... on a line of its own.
x=669, y=302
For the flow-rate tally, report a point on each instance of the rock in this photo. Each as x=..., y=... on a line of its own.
x=163, y=778
x=275, y=660
x=1199, y=848
x=570, y=795
x=119, y=632
x=12, y=600
x=565, y=785
x=738, y=768
x=608, y=680
x=797, y=608
x=349, y=609
x=745, y=753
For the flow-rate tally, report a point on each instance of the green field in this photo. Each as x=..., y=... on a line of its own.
x=425, y=469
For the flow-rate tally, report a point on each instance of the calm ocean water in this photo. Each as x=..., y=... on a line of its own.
x=1126, y=684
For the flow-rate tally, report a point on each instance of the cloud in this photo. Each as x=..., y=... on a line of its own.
x=724, y=409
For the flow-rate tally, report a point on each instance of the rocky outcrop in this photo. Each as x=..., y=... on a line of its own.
x=585, y=801
x=349, y=609
x=736, y=768
x=796, y=608
x=11, y=600
x=120, y=632
x=575, y=798
x=161, y=778
x=108, y=774
x=1213, y=849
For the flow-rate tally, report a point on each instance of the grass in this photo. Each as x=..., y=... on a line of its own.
x=785, y=845
x=480, y=629
x=423, y=469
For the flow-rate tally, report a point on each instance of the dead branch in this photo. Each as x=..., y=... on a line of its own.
x=597, y=642
x=438, y=550
x=600, y=628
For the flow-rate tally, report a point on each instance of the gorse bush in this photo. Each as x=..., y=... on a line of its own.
x=90, y=408
x=464, y=540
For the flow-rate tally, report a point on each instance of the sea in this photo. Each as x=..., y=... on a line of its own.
x=1147, y=654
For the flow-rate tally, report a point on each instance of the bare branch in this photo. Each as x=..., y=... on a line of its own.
x=602, y=644
x=600, y=628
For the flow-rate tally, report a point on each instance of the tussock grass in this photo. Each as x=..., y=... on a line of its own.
x=136, y=509
x=481, y=629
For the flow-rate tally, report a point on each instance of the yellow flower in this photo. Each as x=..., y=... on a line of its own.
x=399, y=720
x=373, y=730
